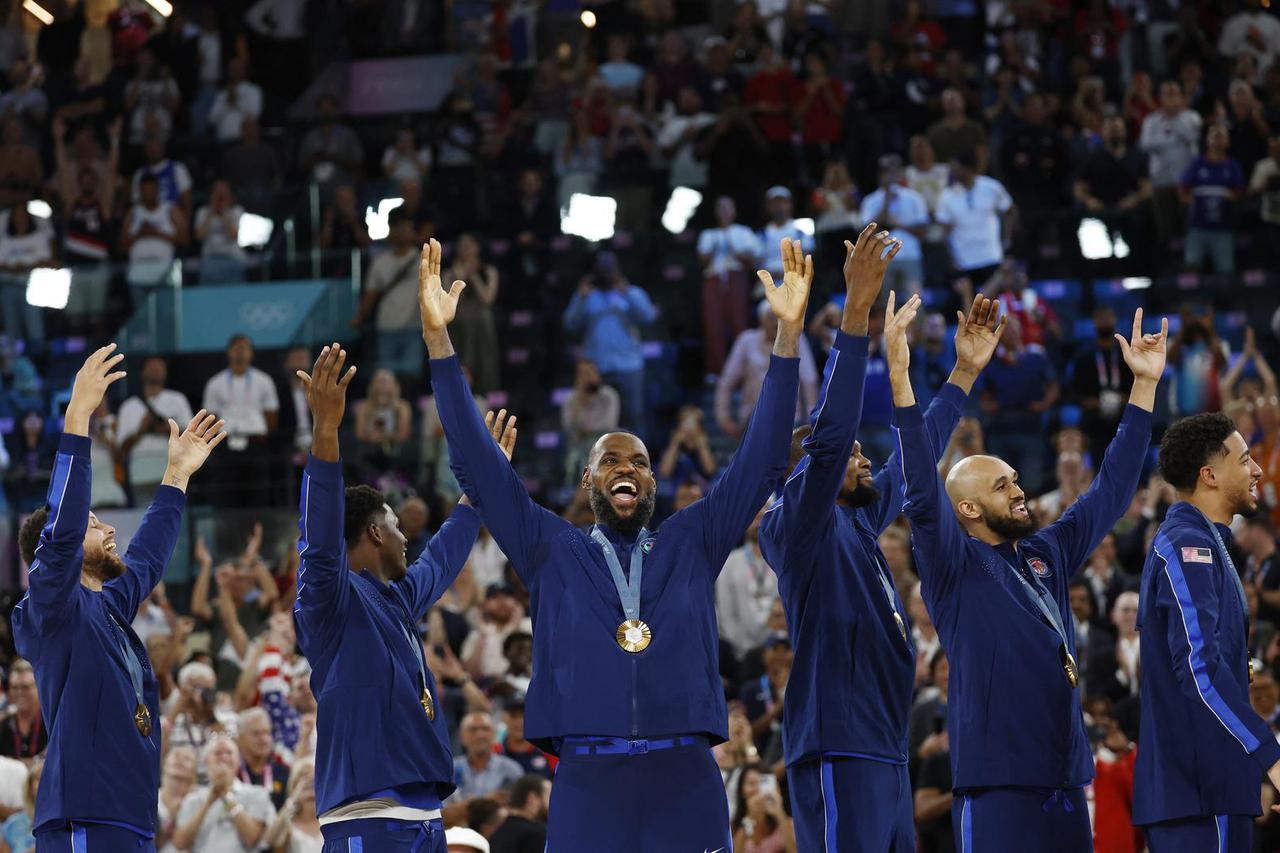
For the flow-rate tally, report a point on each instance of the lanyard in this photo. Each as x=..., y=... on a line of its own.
x=628, y=588
x=890, y=594
x=267, y=775
x=28, y=747
x=131, y=660
x=1226, y=558
x=1103, y=375
x=1048, y=607
x=418, y=651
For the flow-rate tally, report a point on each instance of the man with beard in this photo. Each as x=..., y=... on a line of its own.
x=996, y=587
x=383, y=757
x=1204, y=749
x=626, y=687
x=100, y=698
x=849, y=699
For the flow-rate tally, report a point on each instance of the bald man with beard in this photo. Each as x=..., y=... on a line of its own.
x=996, y=587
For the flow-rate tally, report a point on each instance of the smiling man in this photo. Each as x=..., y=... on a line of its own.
x=99, y=694
x=626, y=686
x=383, y=756
x=1204, y=749
x=996, y=587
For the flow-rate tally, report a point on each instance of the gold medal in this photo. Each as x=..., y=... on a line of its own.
x=428, y=704
x=634, y=636
x=142, y=719
x=1069, y=667
x=902, y=626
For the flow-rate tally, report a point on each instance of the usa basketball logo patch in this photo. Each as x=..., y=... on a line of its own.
x=1197, y=555
x=647, y=545
x=1040, y=567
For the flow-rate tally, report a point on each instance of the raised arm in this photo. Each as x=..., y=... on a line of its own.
x=761, y=459
x=1095, y=512
x=55, y=572
x=936, y=537
x=483, y=470
x=322, y=551
x=152, y=545
x=976, y=341
x=799, y=517
x=446, y=554
x=1215, y=699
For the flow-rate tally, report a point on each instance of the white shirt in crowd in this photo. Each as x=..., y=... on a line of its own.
x=27, y=250
x=217, y=834
x=725, y=244
x=396, y=278
x=492, y=662
x=974, y=212
x=771, y=237
x=1251, y=31
x=686, y=169
x=223, y=239
x=150, y=454
x=231, y=107
x=907, y=209
x=405, y=167
x=150, y=257
x=488, y=563
x=1171, y=144
x=745, y=592
x=242, y=401
x=13, y=782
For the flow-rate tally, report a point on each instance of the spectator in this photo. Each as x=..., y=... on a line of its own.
x=976, y=211
x=762, y=698
x=21, y=169
x=88, y=205
x=391, y=298
x=414, y=515
x=580, y=160
x=762, y=825
x=519, y=750
x=629, y=153
x=154, y=230
x=191, y=716
x=530, y=220
x=501, y=615
x=25, y=243
x=781, y=225
x=608, y=312
x=735, y=152
x=678, y=137
x=925, y=174
x=770, y=94
x=726, y=253
x=525, y=829
x=384, y=423
x=819, y=112
x=744, y=373
x=1112, y=184
x=405, y=159
x=956, y=136
x=222, y=261
x=1171, y=138
x=1100, y=382
x=226, y=814
x=1251, y=31
x=177, y=780
x=688, y=452
x=252, y=167
x=245, y=398
x=1209, y=185
x=1018, y=387
x=143, y=428
x=1114, y=671
x=173, y=178
x=22, y=733
x=480, y=771
x=475, y=335
x=897, y=207
x=590, y=410
x=17, y=827
x=745, y=593
x=620, y=74
x=1139, y=101
x=836, y=203
x=933, y=795
x=1257, y=538
x=296, y=828
x=342, y=231
x=237, y=101
x=1105, y=576
x=259, y=766
x=1247, y=125
x=151, y=98
x=25, y=99
x=464, y=839
x=330, y=153
x=1034, y=168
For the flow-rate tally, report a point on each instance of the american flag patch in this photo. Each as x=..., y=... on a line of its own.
x=1197, y=555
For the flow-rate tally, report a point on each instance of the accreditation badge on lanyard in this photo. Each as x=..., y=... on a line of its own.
x=633, y=635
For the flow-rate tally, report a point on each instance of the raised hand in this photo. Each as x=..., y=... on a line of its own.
x=865, y=264
x=978, y=335
x=503, y=430
x=189, y=449
x=1145, y=354
x=437, y=305
x=95, y=376
x=326, y=386
x=896, y=324
x=789, y=299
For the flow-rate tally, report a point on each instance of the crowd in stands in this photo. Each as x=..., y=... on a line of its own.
x=991, y=142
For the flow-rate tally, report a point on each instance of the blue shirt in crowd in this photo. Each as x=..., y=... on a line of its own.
x=1211, y=185
x=609, y=322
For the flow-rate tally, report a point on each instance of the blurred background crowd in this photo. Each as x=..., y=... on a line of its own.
x=220, y=186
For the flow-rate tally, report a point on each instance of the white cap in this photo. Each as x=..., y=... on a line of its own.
x=466, y=837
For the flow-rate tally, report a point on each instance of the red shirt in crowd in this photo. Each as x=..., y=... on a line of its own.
x=777, y=89
x=1113, y=829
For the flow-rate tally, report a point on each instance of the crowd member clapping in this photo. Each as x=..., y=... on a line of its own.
x=226, y=814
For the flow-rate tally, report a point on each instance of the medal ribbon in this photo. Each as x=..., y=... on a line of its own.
x=419, y=651
x=887, y=585
x=131, y=661
x=1226, y=558
x=628, y=588
x=1044, y=601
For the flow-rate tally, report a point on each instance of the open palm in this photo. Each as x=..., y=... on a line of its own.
x=978, y=335
x=438, y=306
x=189, y=449
x=1145, y=354
x=789, y=299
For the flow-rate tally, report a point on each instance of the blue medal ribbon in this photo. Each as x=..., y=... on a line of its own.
x=628, y=587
